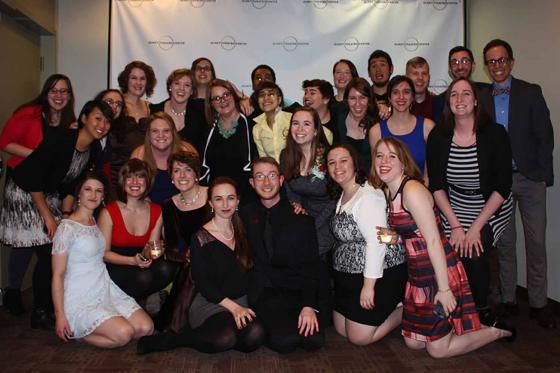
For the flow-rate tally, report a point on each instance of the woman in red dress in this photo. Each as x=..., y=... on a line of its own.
x=439, y=311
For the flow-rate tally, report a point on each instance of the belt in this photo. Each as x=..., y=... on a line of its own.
x=468, y=192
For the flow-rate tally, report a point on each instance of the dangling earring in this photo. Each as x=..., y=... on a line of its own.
x=236, y=208
x=78, y=202
x=211, y=209
x=103, y=202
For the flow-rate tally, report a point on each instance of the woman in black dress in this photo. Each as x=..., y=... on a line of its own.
x=219, y=314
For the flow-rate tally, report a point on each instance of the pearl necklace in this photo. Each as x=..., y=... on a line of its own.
x=220, y=232
x=185, y=202
x=181, y=114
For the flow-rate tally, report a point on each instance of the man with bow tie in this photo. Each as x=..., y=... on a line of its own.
x=521, y=108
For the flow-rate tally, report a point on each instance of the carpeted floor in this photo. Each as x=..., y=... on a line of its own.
x=25, y=350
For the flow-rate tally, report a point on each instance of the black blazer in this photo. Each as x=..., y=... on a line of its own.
x=45, y=168
x=493, y=153
x=294, y=264
x=529, y=128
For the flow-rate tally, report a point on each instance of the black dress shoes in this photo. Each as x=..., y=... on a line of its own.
x=12, y=301
x=507, y=309
x=543, y=316
x=41, y=319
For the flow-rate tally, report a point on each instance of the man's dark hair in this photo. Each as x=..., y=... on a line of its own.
x=378, y=54
x=498, y=43
x=457, y=49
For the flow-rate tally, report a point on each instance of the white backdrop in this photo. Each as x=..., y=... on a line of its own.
x=300, y=39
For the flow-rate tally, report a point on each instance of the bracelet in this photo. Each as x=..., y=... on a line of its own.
x=457, y=227
x=444, y=291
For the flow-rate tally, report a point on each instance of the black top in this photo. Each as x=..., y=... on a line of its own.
x=361, y=145
x=179, y=226
x=196, y=128
x=294, y=264
x=216, y=271
x=45, y=169
x=494, y=159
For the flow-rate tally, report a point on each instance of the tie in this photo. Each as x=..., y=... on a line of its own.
x=268, y=242
x=501, y=91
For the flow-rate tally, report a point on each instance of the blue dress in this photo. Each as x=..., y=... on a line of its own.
x=90, y=296
x=414, y=140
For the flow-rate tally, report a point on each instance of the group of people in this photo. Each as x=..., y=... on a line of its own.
x=369, y=209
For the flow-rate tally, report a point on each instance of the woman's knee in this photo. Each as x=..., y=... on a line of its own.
x=121, y=334
x=437, y=352
x=414, y=344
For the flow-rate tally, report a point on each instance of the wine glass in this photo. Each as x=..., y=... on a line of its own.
x=156, y=248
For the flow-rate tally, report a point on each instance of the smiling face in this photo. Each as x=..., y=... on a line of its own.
x=267, y=181
x=312, y=97
x=401, y=97
x=59, y=95
x=181, y=89
x=222, y=101
x=96, y=124
x=499, y=64
x=183, y=176
x=134, y=186
x=420, y=75
x=342, y=75
x=224, y=200
x=379, y=71
x=358, y=103
x=137, y=82
x=341, y=167
x=161, y=136
x=91, y=194
x=269, y=100
x=203, y=72
x=387, y=164
x=461, y=65
x=461, y=99
x=302, y=128
x=115, y=101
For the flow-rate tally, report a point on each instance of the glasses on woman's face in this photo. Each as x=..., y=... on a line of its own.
x=224, y=97
x=61, y=91
x=203, y=68
x=115, y=103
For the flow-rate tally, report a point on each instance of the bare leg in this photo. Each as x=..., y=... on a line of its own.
x=142, y=323
x=115, y=332
x=361, y=335
x=414, y=344
x=453, y=345
x=339, y=322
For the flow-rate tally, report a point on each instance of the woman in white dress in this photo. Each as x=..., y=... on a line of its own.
x=87, y=304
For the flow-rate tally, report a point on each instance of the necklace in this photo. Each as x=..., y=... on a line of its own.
x=227, y=132
x=221, y=233
x=185, y=202
x=179, y=114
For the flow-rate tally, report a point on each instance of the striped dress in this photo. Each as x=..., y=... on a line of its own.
x=463, y=179
x=419, y=321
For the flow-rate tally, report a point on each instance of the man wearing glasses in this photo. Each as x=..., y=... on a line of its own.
x=461, y=65
x=521, y=108
x=283, y=289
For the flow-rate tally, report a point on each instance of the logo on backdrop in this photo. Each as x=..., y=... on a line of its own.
x=197, y=3
x=351, y=44
x=135, y=3
x=259, y=4
x=440, y=4
x=321, y=4
x=290, y=43
x=228, y=43
x=380, y=4
x=411, y=44
x=439, y=86
x=165, y=42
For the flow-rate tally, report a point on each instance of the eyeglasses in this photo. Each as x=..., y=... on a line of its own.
x=110, y=101
x=460, y=61
x=203, y=68
x=61, y=91
x=501, y=61
x=271, y=176
x=224, y=97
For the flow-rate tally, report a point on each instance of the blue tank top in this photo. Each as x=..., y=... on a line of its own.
x=414, y=140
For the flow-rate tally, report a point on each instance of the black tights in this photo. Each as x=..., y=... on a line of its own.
x=478, y=270
x=42, y=276
x=217, y=334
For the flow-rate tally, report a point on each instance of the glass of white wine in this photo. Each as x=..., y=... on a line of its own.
x=155, y=248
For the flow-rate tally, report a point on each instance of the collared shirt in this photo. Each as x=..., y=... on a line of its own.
x=501, y=104
x=271, y=141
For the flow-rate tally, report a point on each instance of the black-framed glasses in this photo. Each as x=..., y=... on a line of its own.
x=59, y=91
x=110, y=101
x=270, y=176
x=496, y=61
x=224, y=97
x=203, y=68
x=460, y=61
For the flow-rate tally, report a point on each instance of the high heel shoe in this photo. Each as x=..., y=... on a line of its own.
x=500, y=324
x=40, y=319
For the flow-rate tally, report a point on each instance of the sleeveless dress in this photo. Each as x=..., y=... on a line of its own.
x=90, y=297
x=419, y=321
x=414, y=140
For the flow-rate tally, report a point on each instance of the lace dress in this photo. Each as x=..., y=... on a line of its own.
x=90, y=297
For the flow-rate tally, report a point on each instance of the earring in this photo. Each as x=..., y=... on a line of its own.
x=103, y=202
x=211, y=209
x=236, y=208
x=78, y=202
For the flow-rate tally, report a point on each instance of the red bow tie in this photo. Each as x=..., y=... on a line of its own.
x=501, y=91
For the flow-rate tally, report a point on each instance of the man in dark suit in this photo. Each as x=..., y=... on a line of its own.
x=520, y=107
x=461, y=65
x=284, y=288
